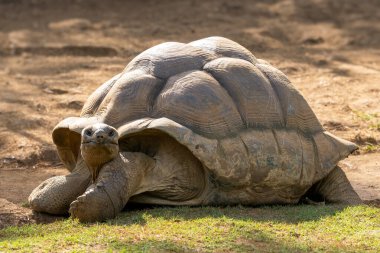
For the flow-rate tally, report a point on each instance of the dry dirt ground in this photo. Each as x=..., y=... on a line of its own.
x=53, y=54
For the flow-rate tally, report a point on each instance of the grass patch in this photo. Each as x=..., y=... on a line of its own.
x=365, y=116
x=375, y=126
x=370, y=148
x=328, y=228
x=369, y=144
x=371, y=118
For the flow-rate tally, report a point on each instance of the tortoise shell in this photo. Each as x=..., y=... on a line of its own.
x=240, y=116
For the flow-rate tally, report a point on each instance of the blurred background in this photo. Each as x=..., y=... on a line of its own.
x=53, y=54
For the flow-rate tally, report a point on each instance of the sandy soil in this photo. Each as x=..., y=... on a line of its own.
x=53, y=54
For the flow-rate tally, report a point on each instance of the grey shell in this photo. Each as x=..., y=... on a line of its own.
x=240, y=116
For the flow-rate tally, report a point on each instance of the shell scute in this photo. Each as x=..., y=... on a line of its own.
x=201, y=104
x=223, y=47
x=250, y=90
x=130, y=98
x=170, y=58
x=296, y=111
x=96, y=98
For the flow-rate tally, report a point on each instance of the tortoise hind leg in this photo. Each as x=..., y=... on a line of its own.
x=334, y=188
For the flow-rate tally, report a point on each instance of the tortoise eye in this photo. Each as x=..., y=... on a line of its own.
x=111, y=133
x=88, y=132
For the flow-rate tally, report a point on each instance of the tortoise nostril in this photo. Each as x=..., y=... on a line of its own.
x=100, y=135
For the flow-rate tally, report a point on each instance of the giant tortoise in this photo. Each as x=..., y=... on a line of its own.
x=203, y=123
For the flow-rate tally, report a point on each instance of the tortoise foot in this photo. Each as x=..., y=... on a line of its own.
x=336, y=188
x=55, y=194
x=93, y=205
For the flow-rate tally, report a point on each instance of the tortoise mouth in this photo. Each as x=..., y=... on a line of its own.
x=99, y=142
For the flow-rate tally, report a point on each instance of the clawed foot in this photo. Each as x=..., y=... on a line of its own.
x=108, y=195
x=93, y=205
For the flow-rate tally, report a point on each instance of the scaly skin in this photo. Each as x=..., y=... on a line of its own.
x=118, y=180
x=55, y=194
x=335, y=188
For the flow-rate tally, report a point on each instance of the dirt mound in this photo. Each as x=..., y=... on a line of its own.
x=15, y=215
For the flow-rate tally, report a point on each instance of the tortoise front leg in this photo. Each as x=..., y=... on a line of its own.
x=55, y=194
x=118, y=180
x=335, y=188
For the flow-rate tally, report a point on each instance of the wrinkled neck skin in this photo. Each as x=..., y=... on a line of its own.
x=137, y=167
x=96, y=156
x=126, y=173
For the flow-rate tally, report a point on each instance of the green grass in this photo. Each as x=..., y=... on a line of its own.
x=369, y=147
x=375, y=126
x=371, y=118
x=302, y=228
x=365, y=116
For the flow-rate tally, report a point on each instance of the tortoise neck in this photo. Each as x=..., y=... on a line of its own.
x=137, y=166
x=121, y=178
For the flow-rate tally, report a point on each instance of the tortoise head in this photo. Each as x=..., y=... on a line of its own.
x=99, y=144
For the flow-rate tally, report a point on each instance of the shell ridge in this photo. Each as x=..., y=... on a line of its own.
x=224, y=47
x=247, y=155
x=130, y=98
x=317, y=162
x=94, y=106
x=275, y=92
x=298, y=113
x=276, y=140
x=256, y=158
x=251, y=91
x=302, y=156
x=170, y=58
x=156, y=93
x=230, y=96
x=188, y=94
